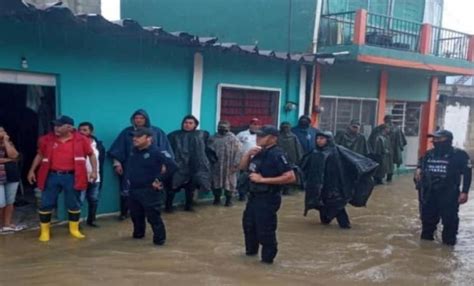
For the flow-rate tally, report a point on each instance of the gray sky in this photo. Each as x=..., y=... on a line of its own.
x=458, y=14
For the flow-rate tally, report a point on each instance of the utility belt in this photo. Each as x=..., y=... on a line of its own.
x=55, y=172
x=263, y=188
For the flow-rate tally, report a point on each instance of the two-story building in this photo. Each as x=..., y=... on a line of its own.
x=397, y=51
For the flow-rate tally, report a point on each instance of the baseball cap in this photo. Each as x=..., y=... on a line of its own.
x=63, y=120
x=441, y=133
x=254, y=120
x=268, y=130
x=142, y=132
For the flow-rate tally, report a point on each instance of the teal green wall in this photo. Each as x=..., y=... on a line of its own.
x=104, y=78
x=104, y=81
x=243, y=21
x=408, y=86
x=224, y=68
x=350, y=80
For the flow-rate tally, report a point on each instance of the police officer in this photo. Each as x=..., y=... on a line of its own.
x=147, y=168
x=268, y=170
x=438, y=178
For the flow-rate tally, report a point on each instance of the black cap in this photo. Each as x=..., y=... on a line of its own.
x=441, y=133
x=355, y=122
x=327, y=134
x=142, y=132
x=62, y=120
x=268, y=130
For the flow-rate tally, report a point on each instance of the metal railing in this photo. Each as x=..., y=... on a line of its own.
x=392, y=33
x=336, y=29
x=449, y=44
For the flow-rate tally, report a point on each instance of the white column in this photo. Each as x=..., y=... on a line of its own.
x=302, y=96
x=197, y=86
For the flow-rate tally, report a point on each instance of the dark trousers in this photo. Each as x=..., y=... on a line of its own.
x=145, y=203
x=441, y=203
x=92, y=196
x=327, y=215
x=260, y=223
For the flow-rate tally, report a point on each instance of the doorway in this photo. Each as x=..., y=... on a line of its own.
x=26, y=110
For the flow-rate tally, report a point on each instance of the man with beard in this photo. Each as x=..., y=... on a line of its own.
x=335, y=176
x=268, y=169
x=438, y=178
x=122, y=146
x=305, y=133
x=396, y=143
x=352, y=139
x=194, y=171
x=292, y=147
x=227, y=149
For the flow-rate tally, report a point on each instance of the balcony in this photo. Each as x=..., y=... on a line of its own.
x=361, y=32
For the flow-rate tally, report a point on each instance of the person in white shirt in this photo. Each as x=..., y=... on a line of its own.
x=93, y=189
x=248, y=138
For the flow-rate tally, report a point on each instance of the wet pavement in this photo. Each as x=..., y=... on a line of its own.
x=206, y=248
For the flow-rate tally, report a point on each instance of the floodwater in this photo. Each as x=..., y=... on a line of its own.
x=206, y=248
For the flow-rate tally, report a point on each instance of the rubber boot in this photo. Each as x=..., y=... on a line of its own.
x=45, y=225
x=169, y=201
x=228, y=199
x=217, y=196
x=123, y=208
x=188, y=205
x=91, y=215
x=74, y=224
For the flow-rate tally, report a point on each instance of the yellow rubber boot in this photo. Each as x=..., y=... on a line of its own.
x=74, y=229
x=44, y=232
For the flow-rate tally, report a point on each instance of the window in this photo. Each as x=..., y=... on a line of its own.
x=339, y=111
x=239, y=105
x=407, y=115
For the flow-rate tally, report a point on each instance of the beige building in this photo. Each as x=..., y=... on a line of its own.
x=76, y=6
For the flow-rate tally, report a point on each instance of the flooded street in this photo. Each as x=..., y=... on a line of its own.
x=206, y=248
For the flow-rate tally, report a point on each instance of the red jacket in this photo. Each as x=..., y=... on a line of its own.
x=46, y=144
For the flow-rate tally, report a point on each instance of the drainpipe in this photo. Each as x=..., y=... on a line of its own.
x=314, y=98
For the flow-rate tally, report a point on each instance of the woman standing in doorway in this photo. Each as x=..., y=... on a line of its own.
x=9, y=181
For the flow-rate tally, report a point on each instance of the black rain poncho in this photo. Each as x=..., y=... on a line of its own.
x=335, y=176
x=190, y=155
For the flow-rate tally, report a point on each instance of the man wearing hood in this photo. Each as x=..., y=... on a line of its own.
x=305, y=133
x=123, y=144
x=228, y=150
x=194, y=171
x=335, y=176
x=438, y=178
x=291, y=146
x=352, y=139
x=396, y=142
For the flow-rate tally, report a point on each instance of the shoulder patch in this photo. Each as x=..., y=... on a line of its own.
x=283, y=159
x=469, y=164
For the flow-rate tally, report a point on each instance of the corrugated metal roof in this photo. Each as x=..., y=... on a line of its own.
x=56, y=12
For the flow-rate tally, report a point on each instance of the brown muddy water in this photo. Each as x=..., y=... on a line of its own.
x=206, y=248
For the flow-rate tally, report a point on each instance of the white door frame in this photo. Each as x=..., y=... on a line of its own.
x=250, y=87
x=27, y=78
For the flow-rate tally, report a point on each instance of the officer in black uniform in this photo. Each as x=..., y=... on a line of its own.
x=147, y=169
x=268, y=170
x=438, y=179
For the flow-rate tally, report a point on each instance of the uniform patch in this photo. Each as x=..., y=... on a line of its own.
x=469, y=164
x=166, y=153
x=284, y=160
x=146, y=155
